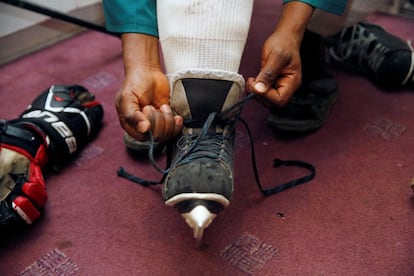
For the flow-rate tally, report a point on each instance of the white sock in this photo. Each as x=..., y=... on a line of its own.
x=203, y=34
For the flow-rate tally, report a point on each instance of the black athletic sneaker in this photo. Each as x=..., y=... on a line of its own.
x=386, y=59
x=200, y=180
x=307, y=110
x=309, y=107
x=139, y=147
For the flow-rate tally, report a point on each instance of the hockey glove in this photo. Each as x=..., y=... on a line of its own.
x=58, y=123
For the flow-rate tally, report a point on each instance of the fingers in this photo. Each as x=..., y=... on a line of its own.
x=264, y=85
x=136, y=126
x=276, y=82
x=278, y=93
x=280, y=74
x=164, y=125
x=132, y=120
x=161, y=122
x=267, y=76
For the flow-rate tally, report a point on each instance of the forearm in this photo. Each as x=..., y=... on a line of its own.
x=140, y=51
x=294, y=19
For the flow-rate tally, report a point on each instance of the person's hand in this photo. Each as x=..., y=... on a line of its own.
x=142, y=106
x=280, y=75
x=143, y=101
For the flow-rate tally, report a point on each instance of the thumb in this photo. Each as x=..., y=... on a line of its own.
x=265, y=80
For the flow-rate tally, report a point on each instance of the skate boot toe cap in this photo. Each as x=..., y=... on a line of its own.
x=200, y=176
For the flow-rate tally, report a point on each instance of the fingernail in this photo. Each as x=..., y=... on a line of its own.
x=143, y=126
x=260, y=87
x=165, y=108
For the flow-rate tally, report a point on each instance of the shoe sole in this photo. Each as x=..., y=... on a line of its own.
x=301, y=126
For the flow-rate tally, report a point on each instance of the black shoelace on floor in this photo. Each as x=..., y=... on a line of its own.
x=197, y=141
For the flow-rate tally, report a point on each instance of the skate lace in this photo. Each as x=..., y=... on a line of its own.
x=363, y=44
x=213, y=146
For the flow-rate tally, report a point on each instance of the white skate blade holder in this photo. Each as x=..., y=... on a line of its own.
x=199, y=218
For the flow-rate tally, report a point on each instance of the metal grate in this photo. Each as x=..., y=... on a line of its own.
x=54, y=262
x=248, y=253
x=385, y=128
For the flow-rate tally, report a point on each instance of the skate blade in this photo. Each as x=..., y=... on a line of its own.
x=199, y=218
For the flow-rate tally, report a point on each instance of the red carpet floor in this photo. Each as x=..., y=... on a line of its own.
x=355, y=218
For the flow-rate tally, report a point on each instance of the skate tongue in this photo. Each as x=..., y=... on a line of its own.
x=196, y=93
x=199, y=218
x=204, y=97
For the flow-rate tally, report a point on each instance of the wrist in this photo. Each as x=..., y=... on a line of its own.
x=140, y=51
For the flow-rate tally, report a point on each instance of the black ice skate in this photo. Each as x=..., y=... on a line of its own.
x=200, y=180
